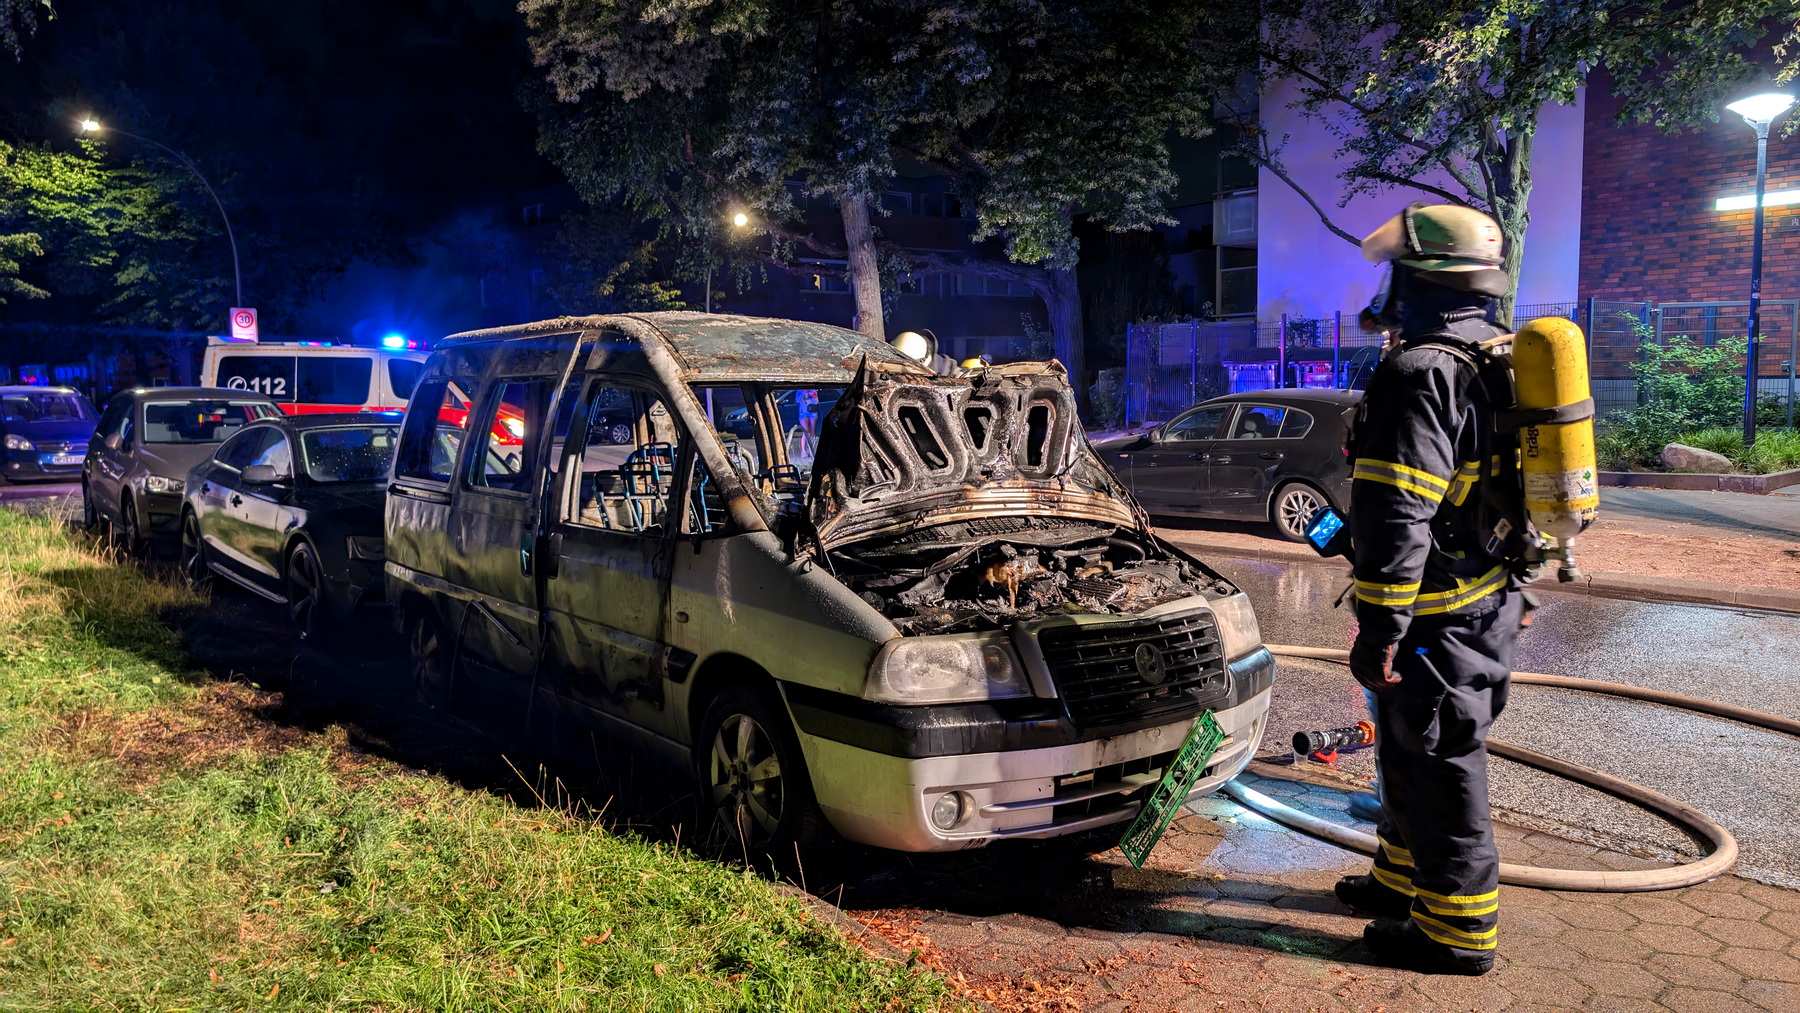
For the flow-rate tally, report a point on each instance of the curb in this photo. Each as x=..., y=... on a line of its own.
x=1602, y=585
x=1755, y=485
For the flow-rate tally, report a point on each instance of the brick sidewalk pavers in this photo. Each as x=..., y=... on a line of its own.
x=1234, y=912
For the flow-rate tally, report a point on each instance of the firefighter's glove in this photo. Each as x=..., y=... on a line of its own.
x=1372, y=659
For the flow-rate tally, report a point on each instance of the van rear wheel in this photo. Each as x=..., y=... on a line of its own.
x=756, y=797
x=429, y=654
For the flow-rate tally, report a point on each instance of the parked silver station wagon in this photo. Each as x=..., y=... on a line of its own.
x=928, y=620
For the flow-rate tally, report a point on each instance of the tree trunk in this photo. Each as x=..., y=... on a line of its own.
x=1513, y=214
x=1064, y=304
x=865, y=270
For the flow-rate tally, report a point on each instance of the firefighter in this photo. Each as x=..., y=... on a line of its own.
x=1437, y=525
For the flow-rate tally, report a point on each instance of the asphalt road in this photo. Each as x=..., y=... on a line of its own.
x=1735, y=774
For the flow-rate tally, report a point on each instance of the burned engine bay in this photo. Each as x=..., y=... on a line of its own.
x=963, y=503
x=962, y=577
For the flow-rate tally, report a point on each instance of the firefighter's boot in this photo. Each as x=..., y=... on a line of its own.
x=1366, y=894
x=1399, y=942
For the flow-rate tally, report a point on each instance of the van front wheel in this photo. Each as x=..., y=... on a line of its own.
x=753, y=780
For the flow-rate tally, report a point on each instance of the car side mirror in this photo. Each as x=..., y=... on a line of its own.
x=114, y=441
x=262, y=474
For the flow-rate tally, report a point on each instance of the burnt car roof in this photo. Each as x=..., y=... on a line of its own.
x=722, y=348
x=211, y=393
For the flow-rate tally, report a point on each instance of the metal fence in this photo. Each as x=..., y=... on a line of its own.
x=1171, y=366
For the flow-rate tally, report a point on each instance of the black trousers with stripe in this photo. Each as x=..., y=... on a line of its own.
x=1436, y=830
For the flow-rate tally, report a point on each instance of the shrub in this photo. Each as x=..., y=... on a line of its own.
x=1106, y=399
x=1775, y=450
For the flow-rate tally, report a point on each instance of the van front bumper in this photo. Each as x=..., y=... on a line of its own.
x=886, y=800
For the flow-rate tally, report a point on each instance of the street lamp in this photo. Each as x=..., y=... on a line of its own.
x=89, y=125
x=738, y=220
x=1760, y=111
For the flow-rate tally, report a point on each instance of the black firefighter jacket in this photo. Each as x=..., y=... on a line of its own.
x=1422, y=449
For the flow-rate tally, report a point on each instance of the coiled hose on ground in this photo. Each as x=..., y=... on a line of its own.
x=1717, y=863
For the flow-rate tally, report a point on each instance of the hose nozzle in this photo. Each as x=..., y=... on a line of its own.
x=1311, y=743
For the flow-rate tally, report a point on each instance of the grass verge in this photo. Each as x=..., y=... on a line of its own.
x=163, y=847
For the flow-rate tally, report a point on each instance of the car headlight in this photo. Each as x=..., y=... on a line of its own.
x=1238, y=633
x=364, y=547
x=16, y=442
x=949, y=668
x=160, y=483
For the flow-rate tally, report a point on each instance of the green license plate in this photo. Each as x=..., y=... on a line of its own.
x=1165, y=801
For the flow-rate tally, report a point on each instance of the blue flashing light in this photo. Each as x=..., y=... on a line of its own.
x=394, y=341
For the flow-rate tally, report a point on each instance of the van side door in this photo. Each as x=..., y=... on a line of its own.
x=611, y=530
x=492, y=522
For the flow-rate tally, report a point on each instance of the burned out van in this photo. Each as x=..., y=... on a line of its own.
x=928, y=619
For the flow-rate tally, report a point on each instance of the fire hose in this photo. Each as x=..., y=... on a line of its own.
x=1724, y=847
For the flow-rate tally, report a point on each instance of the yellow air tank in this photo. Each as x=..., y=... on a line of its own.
x=1550, y=372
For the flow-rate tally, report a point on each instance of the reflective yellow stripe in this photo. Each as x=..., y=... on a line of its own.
x=1395, y=595
x=1401, y=477
x=1450, y=936
x=1479, y=898
x=1463, y=481
x=1465, y=592
x=1392, y=880
x=1452, y=911
x=1395, y=853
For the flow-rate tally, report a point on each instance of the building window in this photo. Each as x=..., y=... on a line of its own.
x=1237, y=281
x=1234, y=218
x=532, y=214
x=910, y=284
x=834, y=276
x=897, y=203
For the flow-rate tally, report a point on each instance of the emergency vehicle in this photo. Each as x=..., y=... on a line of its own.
x=307, y=377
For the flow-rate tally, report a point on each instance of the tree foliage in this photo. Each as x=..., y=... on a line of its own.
x=1037, y=113
x=1444, y=99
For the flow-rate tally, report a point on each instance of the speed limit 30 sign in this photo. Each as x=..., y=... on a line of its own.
x=243, y=323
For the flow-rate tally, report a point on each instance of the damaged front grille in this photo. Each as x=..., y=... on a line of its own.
x=1138, y=672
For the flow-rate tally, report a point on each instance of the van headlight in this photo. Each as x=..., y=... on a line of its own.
x=948, y=668
x=1238, y=634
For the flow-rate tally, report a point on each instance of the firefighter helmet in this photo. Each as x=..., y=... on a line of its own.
x=1446, y=244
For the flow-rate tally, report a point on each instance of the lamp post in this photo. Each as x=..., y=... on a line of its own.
x=92, y=126
x=1760, y=111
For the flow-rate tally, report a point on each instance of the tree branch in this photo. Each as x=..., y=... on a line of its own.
x=1324, y=218
x=1388, y=177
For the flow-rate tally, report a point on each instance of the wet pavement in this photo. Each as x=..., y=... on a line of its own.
x=1738, y=775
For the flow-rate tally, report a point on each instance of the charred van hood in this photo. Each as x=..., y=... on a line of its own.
x=901, y=452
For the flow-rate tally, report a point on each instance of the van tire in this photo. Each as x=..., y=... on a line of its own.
x=428, y=654
x=749, y=806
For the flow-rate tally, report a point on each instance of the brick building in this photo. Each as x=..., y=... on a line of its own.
x=1650, y=227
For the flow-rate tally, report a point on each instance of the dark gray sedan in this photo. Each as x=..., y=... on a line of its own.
x=290, y=508
x=148, y=439
x=1268, y=455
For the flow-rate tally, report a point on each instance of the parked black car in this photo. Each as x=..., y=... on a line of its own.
x=148, y=438
x=291, y=509
x=1267, y=455
x=44, y=432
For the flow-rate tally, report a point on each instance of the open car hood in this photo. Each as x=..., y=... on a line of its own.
x=900, y=452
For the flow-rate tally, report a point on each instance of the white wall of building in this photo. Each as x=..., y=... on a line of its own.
x=1304, y=270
